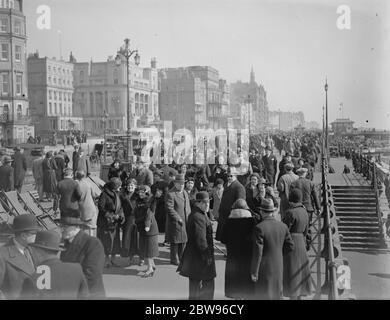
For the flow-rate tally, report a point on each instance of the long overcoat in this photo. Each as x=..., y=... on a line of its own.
x=230, y=194
x=6, y=178
x=130, y=235
x=270, y=168
x=296, y=268
x=198, y=261
x=60, y=162
x=67, y=282
x=309, y=194
x=20, y=168
x=237, y=238
x=49, y=176
x=14, y=270
x=271, y=239
x=178, y=208
x=70, y=193
x=283, y=186
x=89, y=252
x=87, y=207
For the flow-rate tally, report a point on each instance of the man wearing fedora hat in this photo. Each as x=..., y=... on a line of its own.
x=86, y=250
x=178, y=208
x=6, y=175
x=271, y=240
x=16, y=258
x=54, y=279
x=283, y=185
x=198, y=262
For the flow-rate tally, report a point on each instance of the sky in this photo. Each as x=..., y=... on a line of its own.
x=293, y=46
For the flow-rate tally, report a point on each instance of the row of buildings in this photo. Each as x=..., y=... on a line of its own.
x=41, y=95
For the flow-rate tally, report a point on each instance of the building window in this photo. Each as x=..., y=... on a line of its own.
x=49, y=80
x=50, y=95
x=5, y=83
x=50, y=108
x=19, y=111
x=19, y=84
x=18, y=53
x=4, y=51
x=55, y=80
x=55, y=95
x=60, y=111
x=5, y=110
x=60, y=95
x=18, y=27
x=4, y=25
x=137, y=104
x=49, y=68
x=55, y=109
x=146, y=103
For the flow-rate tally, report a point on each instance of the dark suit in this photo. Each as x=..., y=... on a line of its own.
x=230, y=194
x=89, y=252
x=178, y=208
x=6, y=178
x=20, y=167
x=14, y=270
x=143, y=177
x=67, y=282
x=270, y=168
x=198, y=262
x=70, y=193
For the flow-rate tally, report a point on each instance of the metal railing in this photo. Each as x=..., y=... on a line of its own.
x=330, y=264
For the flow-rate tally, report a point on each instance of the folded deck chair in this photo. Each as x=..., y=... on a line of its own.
x=6, y=221
x=12, y=201
x=36, y=209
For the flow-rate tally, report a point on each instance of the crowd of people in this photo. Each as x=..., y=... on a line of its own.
x=266, y=238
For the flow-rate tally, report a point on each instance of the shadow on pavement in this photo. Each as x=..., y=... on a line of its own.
x=122, y=271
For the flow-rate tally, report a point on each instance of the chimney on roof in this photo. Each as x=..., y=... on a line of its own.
x=153, y=63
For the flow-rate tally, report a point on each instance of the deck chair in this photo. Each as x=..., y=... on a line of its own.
x=13, y=204
x=99, y=182
x=36, y=209
x=6, y=221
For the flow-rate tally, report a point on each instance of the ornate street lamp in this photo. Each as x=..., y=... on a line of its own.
x=104, y=119
x=126, y=53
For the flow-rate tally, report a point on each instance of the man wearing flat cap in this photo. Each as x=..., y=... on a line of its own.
x=86, y=250
x=178, y=209
x=309, y=194
x=54, y=280
x=17, y=261
x=6, y=175
x=70, y=195
x=283, y=185
x=198, y=262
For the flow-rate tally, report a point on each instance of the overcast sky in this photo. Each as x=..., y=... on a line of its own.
x=292, y=45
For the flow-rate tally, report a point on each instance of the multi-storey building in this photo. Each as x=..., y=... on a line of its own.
x=101, y=87
x=286, y=121
x=241, y=93
x=50, y=88
x=341, y=126
x=182, y=99
x=15, y=124
x=199, y=92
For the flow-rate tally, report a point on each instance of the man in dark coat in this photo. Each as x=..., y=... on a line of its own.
x=70, y=194
x=270, y=166
x=233, y=190
x=271, y=240
x=86, y=250
x=296, y=268
x=54, y=280
x=198, y=262
x=309, y=193
x=16, y=259
x=7, y=175
x=286, y=159
x=178, y=208
x=142, y=174
x=75, y=158
x=20, y=167
x=256, y=163
x=60, y=162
